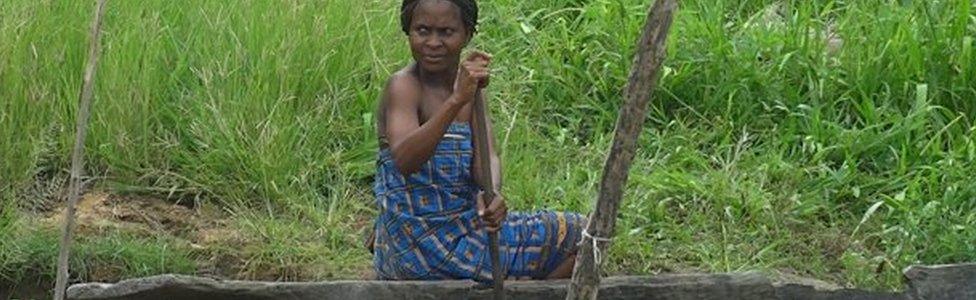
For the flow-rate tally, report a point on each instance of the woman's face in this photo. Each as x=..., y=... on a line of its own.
x=437, y=35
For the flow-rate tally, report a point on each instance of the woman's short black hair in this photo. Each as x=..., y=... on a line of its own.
x=469, y=14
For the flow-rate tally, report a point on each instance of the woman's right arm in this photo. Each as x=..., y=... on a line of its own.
x=413, y=144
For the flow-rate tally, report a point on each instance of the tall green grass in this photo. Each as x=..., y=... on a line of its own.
x=765, y=149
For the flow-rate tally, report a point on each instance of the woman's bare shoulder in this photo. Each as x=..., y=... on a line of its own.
x=403, y=84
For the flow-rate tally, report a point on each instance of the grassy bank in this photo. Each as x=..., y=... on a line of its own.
x=833, y=139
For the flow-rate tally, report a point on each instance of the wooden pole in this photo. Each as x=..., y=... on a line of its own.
x=643, y=79
x=484, y=158
x=77, y=156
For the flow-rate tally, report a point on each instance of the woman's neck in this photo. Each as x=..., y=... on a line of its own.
x=441, y=79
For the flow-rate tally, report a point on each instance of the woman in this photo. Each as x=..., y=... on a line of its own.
x=433, y=222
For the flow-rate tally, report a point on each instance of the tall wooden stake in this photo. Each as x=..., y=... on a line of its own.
x=643, y=79
x=77, y=156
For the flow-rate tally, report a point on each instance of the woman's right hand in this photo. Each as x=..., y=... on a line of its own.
x=473, y=73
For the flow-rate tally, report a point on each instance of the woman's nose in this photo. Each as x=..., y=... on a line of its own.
x=434, y=42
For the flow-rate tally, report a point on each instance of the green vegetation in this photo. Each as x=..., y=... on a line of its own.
x=833, y=139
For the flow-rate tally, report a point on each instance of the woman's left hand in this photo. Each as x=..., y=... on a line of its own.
x=493, y=215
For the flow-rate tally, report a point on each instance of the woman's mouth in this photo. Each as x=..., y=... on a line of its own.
x=433, y=59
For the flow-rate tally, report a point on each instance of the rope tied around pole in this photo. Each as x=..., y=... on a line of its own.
x=597, y=254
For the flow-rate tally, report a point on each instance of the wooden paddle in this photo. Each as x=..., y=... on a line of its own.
x=484, y=157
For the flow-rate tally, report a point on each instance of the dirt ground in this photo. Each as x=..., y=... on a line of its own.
x=209, y=232
x=202, y=228
x=100, y=212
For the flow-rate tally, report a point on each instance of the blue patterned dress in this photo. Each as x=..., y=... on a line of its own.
x=428, y=227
